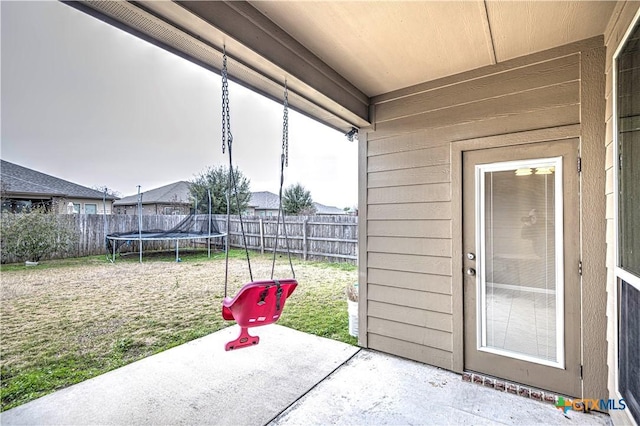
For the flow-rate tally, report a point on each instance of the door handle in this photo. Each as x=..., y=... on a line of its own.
x=471, y=271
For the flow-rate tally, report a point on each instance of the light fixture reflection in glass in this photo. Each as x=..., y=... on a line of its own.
x=545, y=170
x=524, y=172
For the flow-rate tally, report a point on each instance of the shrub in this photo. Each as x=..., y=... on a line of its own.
x=31, y=236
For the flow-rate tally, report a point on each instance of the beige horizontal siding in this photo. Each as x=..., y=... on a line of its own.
x=609, y=100
x=418, y=246
x=609, y=181
x=414, y=299
x=409, y=246
x=418, y=211
x=416, y=176
x=610, y=206
x=410, y=193
x=411, y=333
x=409, y=228
x=544, y=74
x=416, y=317
x=411, y=263
x=609, y=157
x=411, y=280
x=407, y=160
x=541, y=99
x=402, y=143
x=491, y=125
x=422, y=353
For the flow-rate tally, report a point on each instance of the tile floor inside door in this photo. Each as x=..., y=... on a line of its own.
x=521, y=321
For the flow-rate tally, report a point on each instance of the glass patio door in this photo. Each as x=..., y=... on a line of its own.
x=522, y=299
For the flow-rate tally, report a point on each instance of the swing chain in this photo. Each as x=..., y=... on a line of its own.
x=285, y=126
x=227, y=138
x=284, y=162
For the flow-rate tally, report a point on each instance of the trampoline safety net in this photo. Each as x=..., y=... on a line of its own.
x=191, y=228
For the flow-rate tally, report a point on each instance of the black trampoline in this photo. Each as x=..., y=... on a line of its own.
x=193, y=227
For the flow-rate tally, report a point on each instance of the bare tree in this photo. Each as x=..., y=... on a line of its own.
x=110, y=192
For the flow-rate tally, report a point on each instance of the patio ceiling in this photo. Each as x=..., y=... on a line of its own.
x=336, y=55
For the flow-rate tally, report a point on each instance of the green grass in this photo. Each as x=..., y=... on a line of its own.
x=65, y=321
x=188, y=255
x=319, y=313
x=55, y=264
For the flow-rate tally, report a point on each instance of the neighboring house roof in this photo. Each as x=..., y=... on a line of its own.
x=264, y=200
x=21, y=180
x=174, y=193
x=322, y=209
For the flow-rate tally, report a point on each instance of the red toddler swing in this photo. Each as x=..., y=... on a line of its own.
x=257, y=303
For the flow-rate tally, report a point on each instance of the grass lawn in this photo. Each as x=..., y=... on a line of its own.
x=65, y=321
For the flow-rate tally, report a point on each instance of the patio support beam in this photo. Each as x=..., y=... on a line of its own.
x=268, y=42
x=260, y=54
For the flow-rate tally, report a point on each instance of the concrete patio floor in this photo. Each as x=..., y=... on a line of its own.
x=289, y=378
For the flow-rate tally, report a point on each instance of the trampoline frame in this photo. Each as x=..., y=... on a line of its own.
x=141, y=235
x=135, y=236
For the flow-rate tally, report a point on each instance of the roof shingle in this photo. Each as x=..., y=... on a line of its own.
x=174, y=193
x=17, y=179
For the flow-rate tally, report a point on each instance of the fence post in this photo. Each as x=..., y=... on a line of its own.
x=304, y=238
x=261, y=236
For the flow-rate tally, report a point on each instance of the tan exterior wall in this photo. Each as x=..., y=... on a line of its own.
x=621, y=20
x=410, y=256
x=265, y=212
x=62, y=205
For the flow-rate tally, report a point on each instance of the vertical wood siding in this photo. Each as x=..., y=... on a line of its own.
x=409, y=235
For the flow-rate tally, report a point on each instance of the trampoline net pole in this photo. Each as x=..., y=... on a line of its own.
x=140, y=222
x=209, y=237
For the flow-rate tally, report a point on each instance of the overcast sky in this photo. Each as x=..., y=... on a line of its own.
x=89, y=103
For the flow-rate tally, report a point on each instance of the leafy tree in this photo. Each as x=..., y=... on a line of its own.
x=31, y=236
x=296, y=200
x=216, y=179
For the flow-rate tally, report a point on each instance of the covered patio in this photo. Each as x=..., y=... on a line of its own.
x=443, y=97
x=289, y=378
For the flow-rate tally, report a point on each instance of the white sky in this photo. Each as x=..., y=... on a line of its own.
x=91, y=104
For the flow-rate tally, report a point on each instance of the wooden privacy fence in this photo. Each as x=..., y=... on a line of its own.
x=333, y=238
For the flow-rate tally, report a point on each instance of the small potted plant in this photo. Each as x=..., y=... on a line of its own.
x=352, y=308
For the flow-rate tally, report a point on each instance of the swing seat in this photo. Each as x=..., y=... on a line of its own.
x=257, y=303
